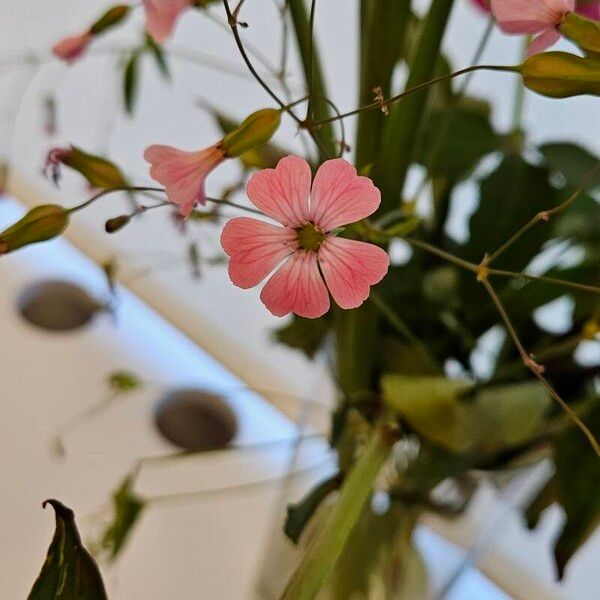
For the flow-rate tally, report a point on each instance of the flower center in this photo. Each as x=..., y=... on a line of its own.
x=310, y=237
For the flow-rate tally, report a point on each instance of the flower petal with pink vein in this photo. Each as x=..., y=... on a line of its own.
x=282, y=193
x=339, y=196
x=255, y=248
x=297, y=287
x=183, y=173
x=530, y=16
x=350, y=269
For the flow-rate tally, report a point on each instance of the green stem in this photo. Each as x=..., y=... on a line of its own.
x=313, y=74
x=319, y=560
x=404, y=122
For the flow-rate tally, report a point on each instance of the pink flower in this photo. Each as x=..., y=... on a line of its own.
x=71, y=48
x=55, y=158
x=308, y=259
x=183, y=173
x=162, y=15
x=538, y=17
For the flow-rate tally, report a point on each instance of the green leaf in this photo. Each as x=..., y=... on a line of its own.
x=128, y=507
x=159, y=56
x=303, y=334
x=509, y=197
x=131, y=80
x=69, y=572
x=574, y=162
x=577, y=477
x=298, y=515
x=456, y=139
x=123, y=381
x=545, y=498
x=430, y=406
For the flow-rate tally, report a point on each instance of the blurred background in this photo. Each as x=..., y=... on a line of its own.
x=215, y=518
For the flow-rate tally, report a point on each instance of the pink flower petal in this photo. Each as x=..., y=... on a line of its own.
x=282, y=193
x=530, y=16
x=161, y=17
x=350, y=269
x=591, y=10
x=297, y=287
x=183, y=173
x=339, y=196
x=482, y=4
x=542, y=42
x=255, y=248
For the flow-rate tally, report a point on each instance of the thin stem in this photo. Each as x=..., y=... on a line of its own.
x=442, y=254
x=377, y=105
x=545, y=215
x=311, y=59
x=551, y=280
x=537, y=369
x=240, y=45
x=166, y=499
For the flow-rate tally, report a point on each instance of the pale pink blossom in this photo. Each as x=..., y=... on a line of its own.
x=183, y=173
x=162, y=16
x=540, y=17
x=309, y=260
x=71, y=48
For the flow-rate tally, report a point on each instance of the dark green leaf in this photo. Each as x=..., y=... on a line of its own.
x=303, y=334
x=69, y=572
x=128, y=508
x=578, y=491
x=299, y=514
x=159, y=56
x=544, y=499
x=456, y=138
x=574, y=163
x=512, y=195
x=130, y=81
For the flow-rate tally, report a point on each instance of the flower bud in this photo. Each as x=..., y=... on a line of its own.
x=38, y=225
x=99, y=172
x=113, y=225
x=255, y=130
x=113, y=16
x=561, y=75
x=583, y=32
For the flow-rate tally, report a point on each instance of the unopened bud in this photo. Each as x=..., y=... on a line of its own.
x=113, y=225
x=38, y=225
x=255, y=130
x=583, y=32
x=561, y=75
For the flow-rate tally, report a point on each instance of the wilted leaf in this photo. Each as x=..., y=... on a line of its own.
x=303, y=334
x=69, y=572
x=128, y=508
x=299, y=514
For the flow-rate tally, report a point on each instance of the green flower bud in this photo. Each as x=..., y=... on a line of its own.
x=561, y=75
x=582, y=31
x=110, y=18
x=255, y=130
x=38, y=225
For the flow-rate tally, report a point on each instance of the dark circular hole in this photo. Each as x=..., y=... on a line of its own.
x=195, y=419
x=56, y=305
